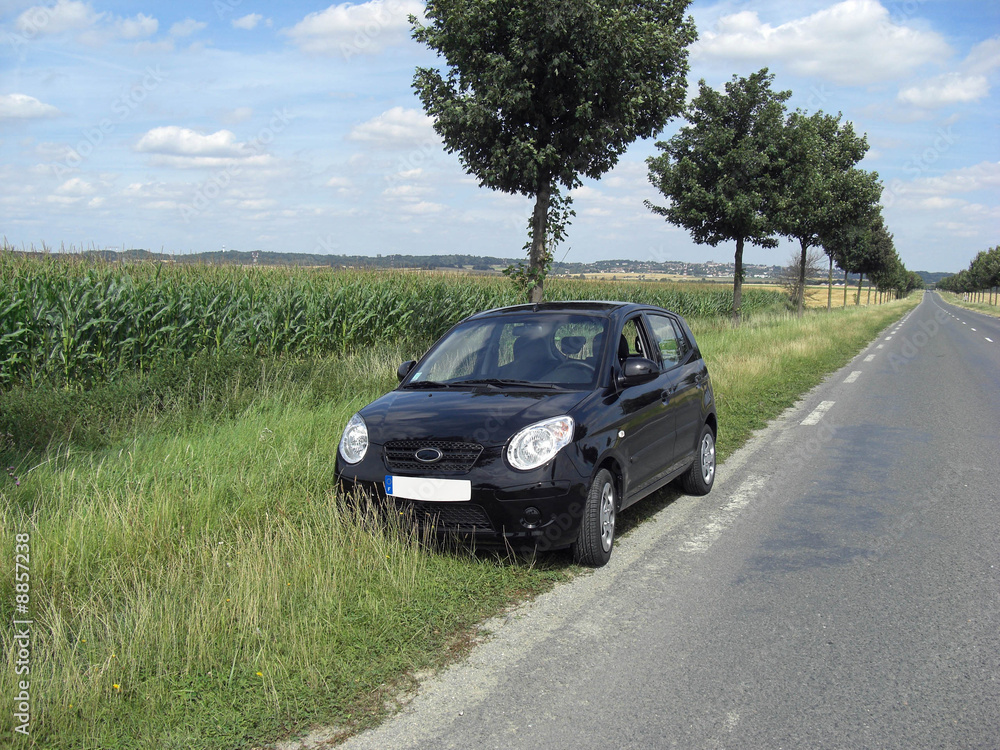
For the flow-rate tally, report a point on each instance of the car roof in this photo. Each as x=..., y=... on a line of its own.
x=600, y=307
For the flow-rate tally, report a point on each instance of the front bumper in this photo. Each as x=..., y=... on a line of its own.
x=540, y=509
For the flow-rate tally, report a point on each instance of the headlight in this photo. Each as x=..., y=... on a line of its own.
x=354, y=441
x=537, y=443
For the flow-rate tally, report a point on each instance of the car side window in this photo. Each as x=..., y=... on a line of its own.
x=631, y=344
x=670, y=344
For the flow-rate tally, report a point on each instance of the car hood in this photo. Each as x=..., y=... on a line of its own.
x=484, y=416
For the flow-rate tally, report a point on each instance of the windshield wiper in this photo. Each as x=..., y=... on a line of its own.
x=500, y=382
x=427, y=384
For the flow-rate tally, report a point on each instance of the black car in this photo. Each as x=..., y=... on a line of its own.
x=532, y=426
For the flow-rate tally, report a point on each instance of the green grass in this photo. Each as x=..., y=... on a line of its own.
x=983, y=307
x=195, y=583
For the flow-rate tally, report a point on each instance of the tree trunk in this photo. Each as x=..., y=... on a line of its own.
x=738, y=282
x=845, y=288
x=857, y=301
x=802, y=276
x=539, y=228
x=829, y=287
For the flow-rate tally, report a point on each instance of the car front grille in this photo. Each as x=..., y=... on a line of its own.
x=456, y=458
x=449, y=517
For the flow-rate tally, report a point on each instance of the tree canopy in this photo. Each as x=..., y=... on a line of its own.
x=539, y=92
x=723, y=170
x=821, y=189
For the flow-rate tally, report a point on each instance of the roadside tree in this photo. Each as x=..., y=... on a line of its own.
x=722, y=172
x=540, y=92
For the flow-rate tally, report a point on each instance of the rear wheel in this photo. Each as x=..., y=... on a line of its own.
x=698, y=480
x=597, y=531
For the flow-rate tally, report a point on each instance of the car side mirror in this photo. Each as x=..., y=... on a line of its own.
x=636, y=370
x=404, y=369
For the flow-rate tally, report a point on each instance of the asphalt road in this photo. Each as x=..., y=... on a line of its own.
x=840, y=587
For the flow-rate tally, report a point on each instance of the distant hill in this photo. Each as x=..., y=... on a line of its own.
x=933, y=277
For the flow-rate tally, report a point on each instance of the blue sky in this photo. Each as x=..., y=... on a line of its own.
x=293, y=127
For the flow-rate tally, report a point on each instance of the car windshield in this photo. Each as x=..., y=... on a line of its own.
x=533, y=349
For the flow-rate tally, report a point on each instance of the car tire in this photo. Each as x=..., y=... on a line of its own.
x=596, y=539
x=698, y=479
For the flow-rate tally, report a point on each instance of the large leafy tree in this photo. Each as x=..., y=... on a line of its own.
x=540, y=92
x=821, y=189
x=722, y=171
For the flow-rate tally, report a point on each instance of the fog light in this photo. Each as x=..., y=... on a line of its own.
x=532, y=517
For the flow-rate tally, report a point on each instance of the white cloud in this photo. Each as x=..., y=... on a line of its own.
x=339, y=182
x=407, y=192
x=852, y=42
x=187, y=27
x=939, y=192
x=23, y=107
x=75, y=188
x=938, y=203
x=969, y=84
x=348, y=30
x=178, y=141
x=136, y=28
x=248, y=21
x=74, y=16
x=238, y=115
x=950, y=88
x=422, y=208
x=984, y=57
x=396, y=128
x=173, y=146
x=65, y=15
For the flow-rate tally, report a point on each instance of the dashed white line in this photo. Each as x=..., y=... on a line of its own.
x=724, y=517
x=972, y=329
x=853, y=376
x=888, y=338
x=817, y=414
x=880, y=346
x=988, y=339
x=869, y=358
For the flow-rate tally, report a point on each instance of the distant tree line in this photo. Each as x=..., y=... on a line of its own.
x=980, y=280
x=745, y=170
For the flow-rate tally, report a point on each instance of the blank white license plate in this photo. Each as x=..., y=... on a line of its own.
x=429, y=489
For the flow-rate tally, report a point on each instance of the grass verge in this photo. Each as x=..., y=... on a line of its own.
x=196, y=584
x=984, y=307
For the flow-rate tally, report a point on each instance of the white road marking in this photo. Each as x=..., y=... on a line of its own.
x=888, y=338
x=817, y=414
x=880, y=346
x=853, y=376
x=972, y=329
x=869, y=358
x=988, y=339
x=724, y=517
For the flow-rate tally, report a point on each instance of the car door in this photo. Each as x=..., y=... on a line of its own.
x=648, y=425
x=683, y=376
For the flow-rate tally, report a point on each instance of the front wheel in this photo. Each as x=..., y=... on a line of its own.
x=597, y=531
x=698, y=480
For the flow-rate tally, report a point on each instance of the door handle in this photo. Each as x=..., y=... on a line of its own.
x=667, y=394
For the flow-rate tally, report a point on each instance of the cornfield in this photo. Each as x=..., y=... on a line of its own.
x=70, y=322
